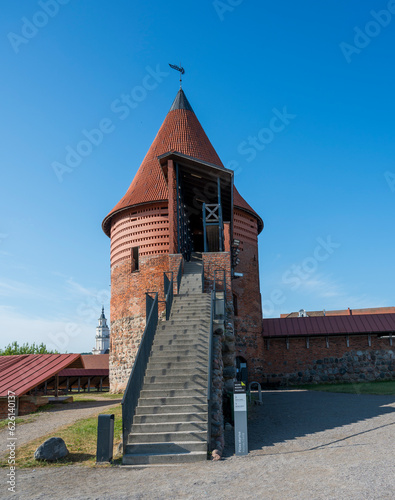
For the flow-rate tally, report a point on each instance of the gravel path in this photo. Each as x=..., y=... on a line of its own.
x=48, y=421
x=303, y=445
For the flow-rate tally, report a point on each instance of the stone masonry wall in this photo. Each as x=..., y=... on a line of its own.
x=216, y=416
x=299, y=364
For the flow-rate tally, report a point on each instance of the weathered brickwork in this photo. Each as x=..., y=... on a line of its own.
x=26, y=404
x=213, y=261
x=128, y=309
x=299, y=364
x=248, y=313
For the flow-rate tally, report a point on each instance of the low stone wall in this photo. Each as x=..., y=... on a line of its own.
x=223, y=374
x=26, y=404
x=324, y=360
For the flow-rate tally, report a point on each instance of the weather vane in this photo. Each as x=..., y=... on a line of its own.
x=180, y=69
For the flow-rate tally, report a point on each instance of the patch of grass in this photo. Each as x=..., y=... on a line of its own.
x=383, y=388
x=80, y=439
x=94, y=396
x=17, y=421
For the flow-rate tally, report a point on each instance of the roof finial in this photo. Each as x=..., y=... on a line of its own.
x=180, y=69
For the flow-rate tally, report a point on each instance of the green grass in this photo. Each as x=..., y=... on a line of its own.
x=80, y=439
x=386, y=387
x=4, y=423
x=94, y=396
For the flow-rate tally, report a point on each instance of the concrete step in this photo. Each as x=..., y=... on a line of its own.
x=170, y=427
x=190, y=295
x=179, y=323
x=197, y=314
x=181, y=385
x=178, y=350
x=195, y=287
x=167, y=418
x=202, y=299
x=181, y=327
x=186, y=373
x=201, y=330
x=158, y=410
x=190, y=316
x=166, y=447
x=166, y=365
x=171, y=381
x=172, y=393
x=164, y=458
x=172, y=401
x=196, y=344
x=168, y=437
x=180, y=344
x=186, y=356
x=177, y=339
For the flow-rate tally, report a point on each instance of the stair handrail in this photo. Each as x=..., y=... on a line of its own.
x=202, y=276
x=209, y=374
x=136, y=378
x=168, y=289
x=179, y=276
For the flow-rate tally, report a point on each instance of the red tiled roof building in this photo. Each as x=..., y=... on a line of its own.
x=159, y=221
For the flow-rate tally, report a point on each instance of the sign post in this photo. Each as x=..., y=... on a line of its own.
x=240, y=411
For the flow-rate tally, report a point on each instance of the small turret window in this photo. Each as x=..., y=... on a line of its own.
x=135, y=259
x=235, y=309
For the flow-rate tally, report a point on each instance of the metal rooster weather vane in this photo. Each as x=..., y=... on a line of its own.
x=180, y=69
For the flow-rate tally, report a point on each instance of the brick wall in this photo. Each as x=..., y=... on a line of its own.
x=298, y=364
x=213, y=261
x=128, y=310
x=26, y=405
x=248, y=320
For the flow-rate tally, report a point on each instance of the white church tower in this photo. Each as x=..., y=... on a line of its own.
x=102, y=336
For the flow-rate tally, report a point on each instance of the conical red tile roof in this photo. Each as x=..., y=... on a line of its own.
x=182, y=132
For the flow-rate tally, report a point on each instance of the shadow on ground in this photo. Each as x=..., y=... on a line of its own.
x=286, y=415
x=81, y=405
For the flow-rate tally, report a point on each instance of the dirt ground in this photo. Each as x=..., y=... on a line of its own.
x=303, y=445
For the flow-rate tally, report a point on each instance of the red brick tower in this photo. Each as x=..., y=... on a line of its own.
x=164, y=215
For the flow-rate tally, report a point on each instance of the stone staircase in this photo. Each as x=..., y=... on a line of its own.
x=170, y=423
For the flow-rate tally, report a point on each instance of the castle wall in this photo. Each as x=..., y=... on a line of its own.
x=248, y=314
x=322, y=362
x=146, y=227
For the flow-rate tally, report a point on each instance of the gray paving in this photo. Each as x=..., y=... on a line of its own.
x=303, y=446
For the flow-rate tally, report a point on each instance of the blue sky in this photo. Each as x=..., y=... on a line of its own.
x=324, y=184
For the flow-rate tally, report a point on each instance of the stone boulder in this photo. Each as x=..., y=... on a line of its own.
x=52, y=449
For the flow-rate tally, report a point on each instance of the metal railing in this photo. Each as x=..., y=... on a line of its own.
x=136, y=379
x=168, y=290
x=209, y=375
x=202, y=276
x=179, y=277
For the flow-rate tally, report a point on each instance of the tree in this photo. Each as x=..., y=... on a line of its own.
x=15, y=348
